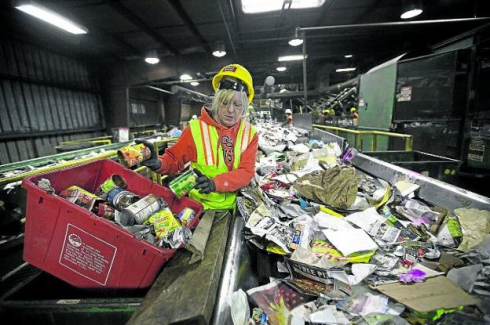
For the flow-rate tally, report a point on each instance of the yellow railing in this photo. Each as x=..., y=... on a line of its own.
x=102, y=140
x=156, y=145
x=107, y=139
x=359, y=136
x=144, y=132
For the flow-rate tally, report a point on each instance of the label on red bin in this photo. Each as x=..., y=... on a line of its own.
x=87, y=255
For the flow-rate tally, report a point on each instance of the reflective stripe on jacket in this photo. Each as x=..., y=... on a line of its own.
x=210, y=160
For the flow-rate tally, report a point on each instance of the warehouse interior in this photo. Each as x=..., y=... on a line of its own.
x=140, y=69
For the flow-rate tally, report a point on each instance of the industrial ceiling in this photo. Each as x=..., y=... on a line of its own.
x=124, y=31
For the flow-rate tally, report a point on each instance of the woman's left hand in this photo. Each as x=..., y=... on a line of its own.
x=204, y=184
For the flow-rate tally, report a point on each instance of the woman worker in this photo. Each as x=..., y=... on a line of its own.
x=220, y=144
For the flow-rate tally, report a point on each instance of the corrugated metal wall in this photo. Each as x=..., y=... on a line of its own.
x=45, y=98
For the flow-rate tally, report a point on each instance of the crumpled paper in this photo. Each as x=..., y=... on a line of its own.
x=466, y=276
x=239, y=308
x=336, y=187
x=475, y=225
x=305, y=256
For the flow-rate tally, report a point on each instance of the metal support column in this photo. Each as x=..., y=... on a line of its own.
x=305, y=83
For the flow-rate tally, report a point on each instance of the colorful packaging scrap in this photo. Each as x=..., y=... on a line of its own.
x=324, y=248
x=80, y=197
x=276, y=299
x=316, y=281
x=164, y=223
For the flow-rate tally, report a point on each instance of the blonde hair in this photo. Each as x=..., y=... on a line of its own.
x=225, y=95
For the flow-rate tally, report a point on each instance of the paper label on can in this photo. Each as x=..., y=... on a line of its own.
x=87, y=255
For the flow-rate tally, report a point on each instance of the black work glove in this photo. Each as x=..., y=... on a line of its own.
x=153, y=163
x=204, y=184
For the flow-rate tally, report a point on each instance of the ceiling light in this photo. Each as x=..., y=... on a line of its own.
x=347, y=56
x=185, y=77
x=219, y=54
x=295, y=42
x=219, y=48
x=411, y=13
x=152, y=60
x=51, y=17
x=291, y=58
x=194, y=83
x=411, y=8
x=345, y=69
x=152, y=57
x=281, y=68
x=259, y=6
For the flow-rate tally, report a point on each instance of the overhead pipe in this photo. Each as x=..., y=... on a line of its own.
x=160, y=89
x=391, y=24
x=182, y=90
x=292, y=94
x=354, y=82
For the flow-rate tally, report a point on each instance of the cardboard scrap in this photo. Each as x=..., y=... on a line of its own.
x=406, y=188
x=434, y=293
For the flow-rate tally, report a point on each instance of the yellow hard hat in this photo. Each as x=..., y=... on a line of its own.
x=237, y=72
x=353, y=109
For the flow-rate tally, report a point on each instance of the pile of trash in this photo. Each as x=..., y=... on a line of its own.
x=354, y=249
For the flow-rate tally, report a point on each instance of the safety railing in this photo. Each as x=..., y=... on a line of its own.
x=359, y=136
x=98, y=140
x=107, y=139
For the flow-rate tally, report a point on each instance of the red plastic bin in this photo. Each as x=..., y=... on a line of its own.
x=83, y=249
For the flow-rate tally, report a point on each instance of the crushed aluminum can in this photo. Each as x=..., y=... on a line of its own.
x=178, y=237
x=144, y=208
x=133, y=155
x=120, y=198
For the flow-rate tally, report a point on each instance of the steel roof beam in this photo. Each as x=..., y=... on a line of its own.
x=177, y=6
x=135, y=20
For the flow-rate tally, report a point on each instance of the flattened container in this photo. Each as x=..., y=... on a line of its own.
x=83, y=249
